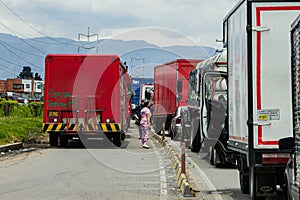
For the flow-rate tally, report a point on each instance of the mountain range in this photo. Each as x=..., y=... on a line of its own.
x=140, y=56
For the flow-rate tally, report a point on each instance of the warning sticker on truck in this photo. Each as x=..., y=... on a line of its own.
x=268, y=114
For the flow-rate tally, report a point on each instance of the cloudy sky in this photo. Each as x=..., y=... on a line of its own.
x=176, y=22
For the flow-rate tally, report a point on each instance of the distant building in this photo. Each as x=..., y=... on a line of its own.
x=2, y=86
x=22, y=87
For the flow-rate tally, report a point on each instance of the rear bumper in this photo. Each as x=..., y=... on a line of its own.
x=75, y=128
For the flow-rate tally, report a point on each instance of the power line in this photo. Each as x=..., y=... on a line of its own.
x=20, y=50
x=32, y=27
x=13, y=32
x=7, y=70
x=10, y=62
x=20, y=56
x=53, y=14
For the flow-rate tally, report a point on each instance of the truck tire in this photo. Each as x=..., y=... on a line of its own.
x=63, y=141
x=211, y=157
x=195, y=147
x=286, y=189
x=253, y=185
x=244, y=182
x=171, y=134
x=123, y=136
x=53, y=139
x=117, y=140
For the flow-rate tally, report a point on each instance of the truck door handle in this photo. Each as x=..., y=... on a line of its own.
x=260, y=28
x=262, y=123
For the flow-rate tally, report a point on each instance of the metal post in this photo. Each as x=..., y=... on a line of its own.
x=183, y=157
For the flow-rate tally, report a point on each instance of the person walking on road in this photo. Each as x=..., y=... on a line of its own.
x=145, y=123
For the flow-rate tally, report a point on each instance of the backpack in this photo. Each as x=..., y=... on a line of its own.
x=138, y=115
x=138, y=120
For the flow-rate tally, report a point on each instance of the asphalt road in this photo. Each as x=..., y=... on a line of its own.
x=130, y=172
x=214, y=183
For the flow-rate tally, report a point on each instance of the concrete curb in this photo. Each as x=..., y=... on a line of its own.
x=11, y=147
x=182, y=181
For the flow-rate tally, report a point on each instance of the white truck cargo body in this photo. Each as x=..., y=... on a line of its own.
x=264, y=97
x=257, y=38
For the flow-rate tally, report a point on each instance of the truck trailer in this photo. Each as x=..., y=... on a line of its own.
x=170, y=90
x=86, y=96
x=257, y=37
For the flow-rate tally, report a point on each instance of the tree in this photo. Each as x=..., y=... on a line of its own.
x=37, y=77
x=27, y=74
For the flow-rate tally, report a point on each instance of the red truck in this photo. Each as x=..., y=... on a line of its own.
x=171, y=81
x=86, y=96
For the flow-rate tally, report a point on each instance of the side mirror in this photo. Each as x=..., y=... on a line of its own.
x=287, y=144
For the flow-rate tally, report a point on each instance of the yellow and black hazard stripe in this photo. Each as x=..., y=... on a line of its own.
x=110, y=127
x=54, y=127
x=103, y=127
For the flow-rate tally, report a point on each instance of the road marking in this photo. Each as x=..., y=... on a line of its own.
x=162, y=173
x=205, y=179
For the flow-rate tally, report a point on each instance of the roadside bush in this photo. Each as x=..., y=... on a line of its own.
x=21, y=111
x=7, y=106
x=21, y=123
x=36, y=108
x=11, y=108
x=19, y=129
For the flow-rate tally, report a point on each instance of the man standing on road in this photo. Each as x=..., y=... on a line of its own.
x=145, y=123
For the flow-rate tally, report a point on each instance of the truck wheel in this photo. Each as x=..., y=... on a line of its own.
x=286, y=190
x=63, y=141
x=53, y=139
x=117, y=140
x=195, y=147
x=123, y=136
x=253, y=185
x=211, y=156
x=171, y=134
x=244, y=182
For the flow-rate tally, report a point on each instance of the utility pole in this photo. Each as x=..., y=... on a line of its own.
x=88, y=36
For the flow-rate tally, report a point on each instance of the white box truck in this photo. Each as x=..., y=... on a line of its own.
x=257, y=37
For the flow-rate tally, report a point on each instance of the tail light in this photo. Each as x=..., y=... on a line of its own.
x=110, y=120
x=53, y=116
x=275, y=158
x=178, y=120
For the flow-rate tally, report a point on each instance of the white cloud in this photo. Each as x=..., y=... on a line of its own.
x=198, y=19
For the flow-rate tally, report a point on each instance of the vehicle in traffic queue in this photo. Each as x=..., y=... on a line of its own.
x=86, y=96
x=257, y=37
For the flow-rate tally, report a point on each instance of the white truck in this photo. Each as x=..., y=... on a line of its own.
x=257, y=37
x=207, y=110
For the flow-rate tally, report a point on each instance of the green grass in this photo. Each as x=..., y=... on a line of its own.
x=19, y=128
